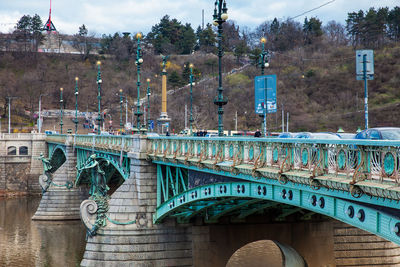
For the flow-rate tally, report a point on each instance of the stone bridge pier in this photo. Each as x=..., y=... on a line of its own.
x=62, y=199
x=130, y=238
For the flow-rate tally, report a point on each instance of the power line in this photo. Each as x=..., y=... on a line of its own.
x=327, y=3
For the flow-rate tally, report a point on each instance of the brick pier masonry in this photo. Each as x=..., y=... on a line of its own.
x=19, y=168
x=60, y=202
x=140, y=243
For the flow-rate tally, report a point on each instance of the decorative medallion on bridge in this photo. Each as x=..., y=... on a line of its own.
x=251, y=153
x=388, y=164
x=304, y=157
x=231, y=151
x=341, y=159
x=275, y=154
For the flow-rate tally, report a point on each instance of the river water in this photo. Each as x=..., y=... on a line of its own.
x=24, y=242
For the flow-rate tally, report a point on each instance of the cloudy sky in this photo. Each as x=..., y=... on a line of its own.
x=110, y=16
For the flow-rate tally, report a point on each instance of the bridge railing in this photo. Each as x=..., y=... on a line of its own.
x=358, y=160
x=57, y=138
x=102, y=142
x=107, y=142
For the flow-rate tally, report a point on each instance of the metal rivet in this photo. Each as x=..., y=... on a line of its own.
x=283, y=194
x=350, y=211
x=361, y=215
x=290, y=197
x=321, y=202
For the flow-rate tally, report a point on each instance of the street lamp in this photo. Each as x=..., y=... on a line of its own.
x=61, y=109
x=264, y=56
x=263, y=63
x=191, y=98
x=99, y=82
x=139, y=61
x=220, y=16
x=148, y=104
x=121, y=101
x=76, y=104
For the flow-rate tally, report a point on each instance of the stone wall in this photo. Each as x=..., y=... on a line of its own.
x=20, y=172
x=355, y=247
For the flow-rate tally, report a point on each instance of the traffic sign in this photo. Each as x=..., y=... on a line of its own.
x=368, y=56
x=262, y=83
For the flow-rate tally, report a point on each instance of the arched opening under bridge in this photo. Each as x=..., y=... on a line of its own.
x=264, y=253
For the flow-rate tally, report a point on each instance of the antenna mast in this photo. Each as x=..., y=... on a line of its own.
x=49, y=26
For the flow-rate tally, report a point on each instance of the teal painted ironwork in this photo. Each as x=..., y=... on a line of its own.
x=98, y=191
x=219, y=17
x=304, y=156
x=364, y=217
x=275, y=154
x=251, y=153
x=148, y=106
x=121, y=101
x=191, y=120
x=389, y=164
x=341, y=160
x=61, y=110
x=99, y=82
x=170, y=182
x=138, y=62
x=76, y=105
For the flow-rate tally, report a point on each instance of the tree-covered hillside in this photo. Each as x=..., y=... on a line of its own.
x=315, y=66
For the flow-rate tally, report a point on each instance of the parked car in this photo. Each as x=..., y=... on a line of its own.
x=380, y=133
x=211, y=135
x=286, y=135
x=346, y=135
x=152, y=135
x=308, y=135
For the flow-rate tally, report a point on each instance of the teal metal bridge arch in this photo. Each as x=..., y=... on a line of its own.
x=112, y=151
x=354, y=181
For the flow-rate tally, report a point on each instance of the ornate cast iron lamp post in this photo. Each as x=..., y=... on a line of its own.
x=61, y=110
x=121, y=101
x=76, y=104
x=264, y=56
x=220, y=16
x=99, y=82
x=191, y=98
x=139, y=61
x=263, y=63
x=148, y=104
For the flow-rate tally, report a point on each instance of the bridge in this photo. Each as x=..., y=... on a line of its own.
x=183, y=201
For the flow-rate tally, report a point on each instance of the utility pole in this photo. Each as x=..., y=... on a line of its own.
x=9, y=112
x=236, y=121
x=40, y=113
x=185, y=116
x=283, y=119
x=287, y=122
x=126, y=111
